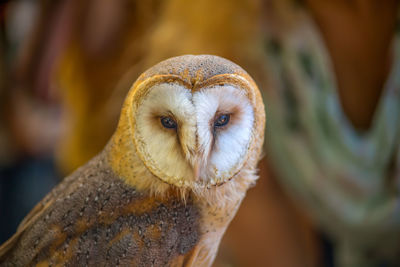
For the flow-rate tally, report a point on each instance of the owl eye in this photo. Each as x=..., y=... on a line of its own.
x=168, y=122
x=222, y=120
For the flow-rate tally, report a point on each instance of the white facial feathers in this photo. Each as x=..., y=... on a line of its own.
x=196, y=146
x=161, y=149
x=228, y=144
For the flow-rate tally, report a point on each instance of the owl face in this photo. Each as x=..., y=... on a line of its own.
x=193, y=138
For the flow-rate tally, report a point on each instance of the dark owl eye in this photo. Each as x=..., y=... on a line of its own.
x=222, y=120
x=168, y=122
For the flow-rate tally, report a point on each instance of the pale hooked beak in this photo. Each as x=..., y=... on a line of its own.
x=197, y=158
x=196, y=170
x=195, y=161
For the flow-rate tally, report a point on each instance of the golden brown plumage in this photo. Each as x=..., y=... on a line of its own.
x=122, y=208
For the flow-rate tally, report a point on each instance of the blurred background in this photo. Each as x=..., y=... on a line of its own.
x=329, y=71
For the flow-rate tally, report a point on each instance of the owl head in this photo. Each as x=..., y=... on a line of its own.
x=192, y=122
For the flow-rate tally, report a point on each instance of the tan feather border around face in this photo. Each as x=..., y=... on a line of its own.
x=140, y=89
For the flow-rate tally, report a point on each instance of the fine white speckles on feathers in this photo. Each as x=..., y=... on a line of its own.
x=174, y=153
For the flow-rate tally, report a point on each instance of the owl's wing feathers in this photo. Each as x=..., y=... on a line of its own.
x=35, y=213
x=94, y=218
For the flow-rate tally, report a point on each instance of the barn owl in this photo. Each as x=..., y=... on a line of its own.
x=166, y=186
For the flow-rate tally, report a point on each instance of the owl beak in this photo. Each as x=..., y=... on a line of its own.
x=196, y=171
x=195, y=158
x=195, y=161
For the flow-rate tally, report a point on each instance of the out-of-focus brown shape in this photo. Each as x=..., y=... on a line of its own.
x=107, y=39
x=360, y=78
x=4, y=148
x=226, y=28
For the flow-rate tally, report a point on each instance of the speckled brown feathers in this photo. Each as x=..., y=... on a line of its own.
x=96, y=219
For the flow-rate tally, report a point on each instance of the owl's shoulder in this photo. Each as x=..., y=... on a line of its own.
x=93, y=217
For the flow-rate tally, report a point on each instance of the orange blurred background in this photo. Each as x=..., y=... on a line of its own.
x=65, y=67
